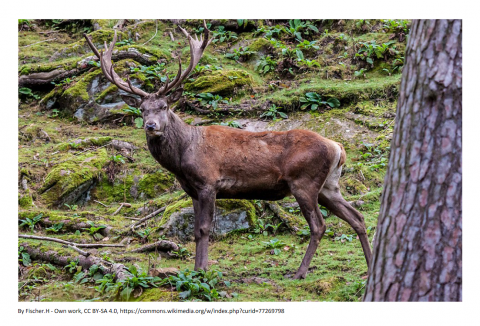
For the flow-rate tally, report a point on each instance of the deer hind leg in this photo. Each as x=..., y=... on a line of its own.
x=307, y=200
x=331, y=198
x=204, y=209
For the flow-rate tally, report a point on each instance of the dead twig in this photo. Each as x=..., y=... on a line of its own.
x=152, y=215
x=99, y=202
x=50, y=39
x=118, y=209
x=156, y=30
x=73, y=244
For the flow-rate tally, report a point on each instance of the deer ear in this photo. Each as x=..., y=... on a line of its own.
x=132, y=101
x=175, y=96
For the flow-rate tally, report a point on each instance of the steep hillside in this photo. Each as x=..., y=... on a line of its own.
x=82, y=153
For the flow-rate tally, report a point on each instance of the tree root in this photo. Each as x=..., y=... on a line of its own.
x=291, y=221
x=54, y=257
x=162, y=245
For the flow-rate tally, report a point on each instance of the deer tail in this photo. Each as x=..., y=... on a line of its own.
x=343, y=155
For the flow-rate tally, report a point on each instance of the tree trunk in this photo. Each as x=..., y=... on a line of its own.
x=418, y=250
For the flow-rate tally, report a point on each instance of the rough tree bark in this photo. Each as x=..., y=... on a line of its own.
x=418, y=250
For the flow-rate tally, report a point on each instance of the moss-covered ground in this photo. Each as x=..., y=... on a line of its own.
x=70, y=173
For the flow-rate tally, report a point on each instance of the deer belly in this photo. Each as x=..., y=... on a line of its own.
x=258, y=188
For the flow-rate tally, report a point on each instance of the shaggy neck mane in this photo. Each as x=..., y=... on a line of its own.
x=168, y=148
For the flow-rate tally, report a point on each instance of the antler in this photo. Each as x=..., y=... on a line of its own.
x=109, y=72
x=196, y=51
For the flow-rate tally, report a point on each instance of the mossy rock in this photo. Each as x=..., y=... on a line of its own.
x=230, y=215
x=157, y=295
x=25, y=201
x=135, y=185
x=222, y=82
x=69, y=181
x=259, y=44
x=83, y=143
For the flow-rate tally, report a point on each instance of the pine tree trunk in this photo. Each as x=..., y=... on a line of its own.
x=418, y=250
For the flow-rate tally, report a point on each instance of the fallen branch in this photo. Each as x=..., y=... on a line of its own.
x=162, y=245
x=155, y=213
x=51, y=39
x=68, y=243
x=54, y=257
x=293, y=222
x=99, y=202
x=156, y=30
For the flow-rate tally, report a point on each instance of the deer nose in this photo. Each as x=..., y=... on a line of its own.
x=150, y=126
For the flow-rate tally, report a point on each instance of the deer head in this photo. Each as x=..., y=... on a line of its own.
x=154, y=106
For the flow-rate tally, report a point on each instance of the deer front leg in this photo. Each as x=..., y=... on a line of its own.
x=204, y=208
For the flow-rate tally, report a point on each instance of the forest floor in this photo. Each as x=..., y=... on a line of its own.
x=72, y=180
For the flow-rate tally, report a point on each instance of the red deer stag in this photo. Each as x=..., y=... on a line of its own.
x=221, y=162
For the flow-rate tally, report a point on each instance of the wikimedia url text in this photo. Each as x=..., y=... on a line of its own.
x=139, y=311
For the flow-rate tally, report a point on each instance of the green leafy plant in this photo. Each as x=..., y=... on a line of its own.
x=242, y=22
x=93, y=228
x=144, y=234
x=73, y=267
x=65, y=81
x=27, y=92
x=266, y=64
x=117, y=159
x=272, y=113
x=24, y=257
x=125, y=42
x=55, y=227
x=240, y=53
x=210, y=99
x=314, y=101
x=274, y=227
x=200, y=29
x=360, y=73
x=30, y=222
x=309, y=63
x=197, y=284
x=221, y=35
x=308, y=45
x=261, y=228
x=151, y=72
x=275, y=245
x=296, y=27
x=233, y=124
x=373, y=157
x=71, y=207
x=345, y=237
x=305, y=232
x=396, y=26
x=182, y=252
x=369, y=50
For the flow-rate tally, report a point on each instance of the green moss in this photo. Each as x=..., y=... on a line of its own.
x=234, y=204
x=189, y=120
x=175, y=207
x=25, y=201
x=79, y=89
x=151, y=185
x=221, y=82
x=110, y=89
x=155, y=183
x=84, y=143
x=66, y=64
x=259, y=44
x=157, y=294
x=64, y=178
x=353, y=186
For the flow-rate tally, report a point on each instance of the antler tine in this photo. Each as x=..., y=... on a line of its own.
x=94, y=49
x=167, y=87
x=196, y=50
x=117, y=83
